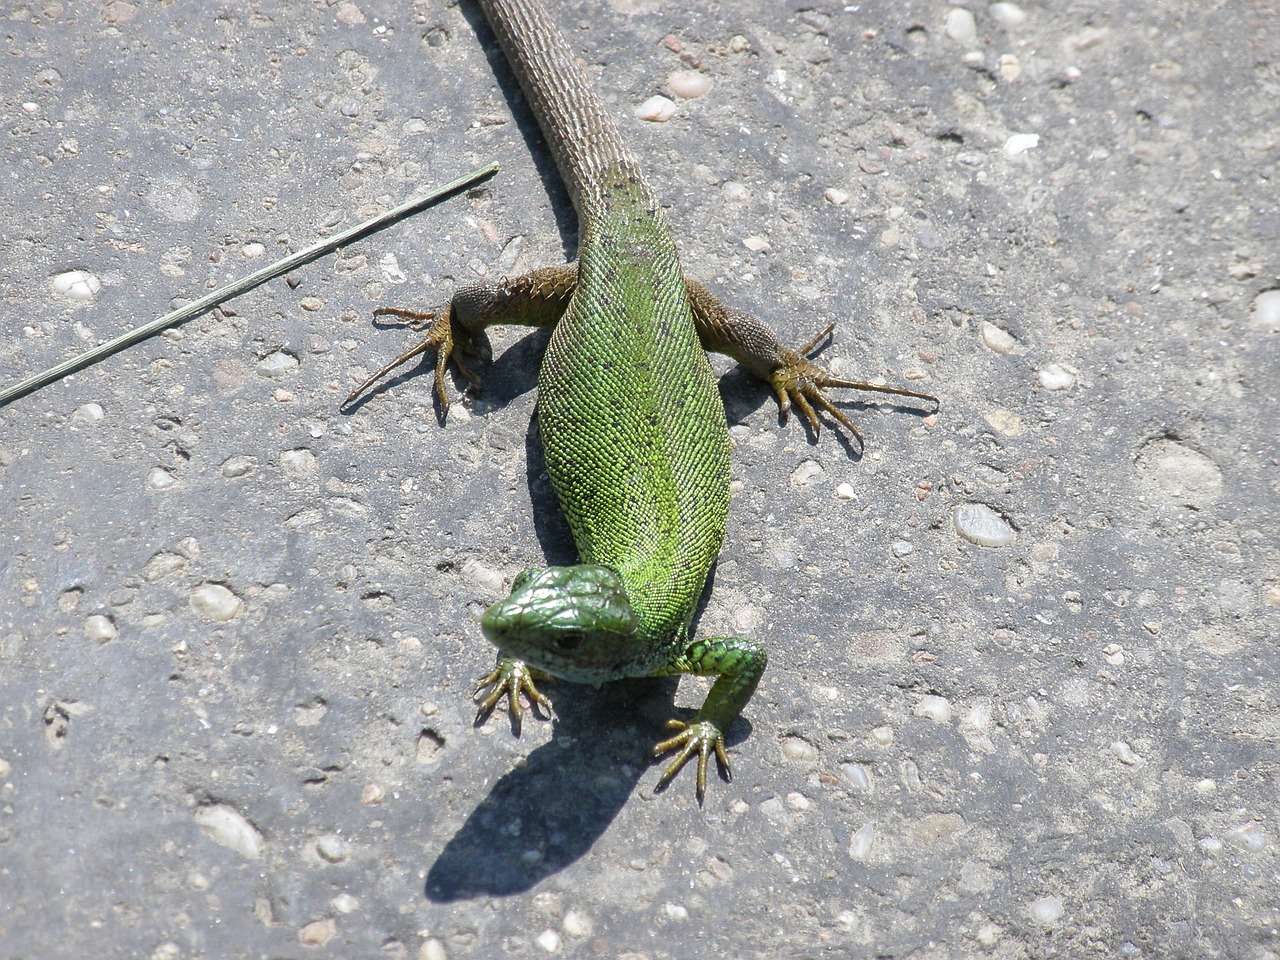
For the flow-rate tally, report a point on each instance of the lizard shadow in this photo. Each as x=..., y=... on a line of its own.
x=550, y=810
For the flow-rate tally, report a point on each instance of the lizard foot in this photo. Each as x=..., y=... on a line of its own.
x=700, y=737
x=511, y=678
x=445, y=337
x=800, y=381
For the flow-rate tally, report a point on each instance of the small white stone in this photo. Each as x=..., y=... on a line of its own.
x=100, y=628
x=882, y=735
x=805, y=473
x=89, y=413
x=238, y=465
x=1010, y=67
x=656, y=110
x=997, y=340
x=344, y=903
x=933, y=707
x=1264, y=314
x=331, y=848
x=734, y=191
x=229, y=827
x=432, y=949
x=861, y=842
x=1205, y=787
x=1058, y=376
x=212, y=601
x=1046, y=910
x=675, y=911
x=4, y=767
x=318, y=932
x=372, y=793
x=835, y=196
x=797, y=748
x=1008, y=15
x=903, y=548
x=1124, y=753
x=1248, y=836
x=979, y=524
x=277, y=364
x=160, y=479
x=756, y=244
x=549, y=941
x=1020, y=143
x=858, y=776
x=300, y=462
x=76, y=284
x=845, y=491
x=1114, y=654
x=961, y=26
x=251, y=251
x=689, y=84
x=577, y=924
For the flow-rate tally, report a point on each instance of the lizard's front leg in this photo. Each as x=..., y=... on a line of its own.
x=457, y=330
x=738, y=664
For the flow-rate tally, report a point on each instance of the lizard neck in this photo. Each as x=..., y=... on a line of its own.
x=588, y=150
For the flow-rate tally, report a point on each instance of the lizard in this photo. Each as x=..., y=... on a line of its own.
x=633, y=428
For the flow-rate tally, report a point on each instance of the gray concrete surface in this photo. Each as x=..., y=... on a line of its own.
x=237, y=628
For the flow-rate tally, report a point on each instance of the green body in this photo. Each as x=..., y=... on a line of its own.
x=630, y=418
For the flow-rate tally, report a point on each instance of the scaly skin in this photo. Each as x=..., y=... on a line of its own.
x=632, y=424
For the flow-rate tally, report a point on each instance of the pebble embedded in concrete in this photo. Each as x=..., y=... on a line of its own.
x=318, y=932
x=1008, y=15
x=689, y=84
x=100, y=628
x=277, y=364
x=656, y=110
x=1019, y=143
x=89, y=413
x=979, y=524
x=228, y=826
x=76, y=284
x=933, y=707
x=1057, y=376
x=861, y=842
x=1264, y=313
x=1047, y=910
x=996, y=339
x=961, y=25
x=331, y=848
x=160, y=479
x=213, y=601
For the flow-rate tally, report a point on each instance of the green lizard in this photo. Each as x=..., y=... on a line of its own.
x=634, y=430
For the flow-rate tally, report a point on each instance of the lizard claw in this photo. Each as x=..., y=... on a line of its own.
x=800, y=381
x=511, y=678
x=447, y=339
x=700, y=737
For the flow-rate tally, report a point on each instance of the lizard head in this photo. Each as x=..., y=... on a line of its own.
x=573, y=622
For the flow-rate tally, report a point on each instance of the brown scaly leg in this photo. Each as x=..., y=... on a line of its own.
x=456, y=331
x=795, y=378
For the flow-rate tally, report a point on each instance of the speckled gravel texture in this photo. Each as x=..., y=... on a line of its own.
x=1022, y=698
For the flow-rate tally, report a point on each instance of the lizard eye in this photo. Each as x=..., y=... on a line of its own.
x=569, y=641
